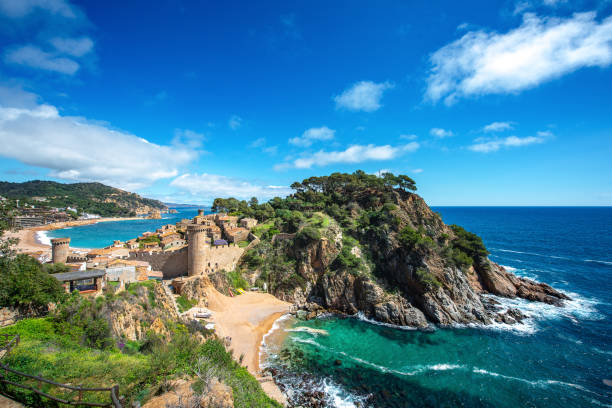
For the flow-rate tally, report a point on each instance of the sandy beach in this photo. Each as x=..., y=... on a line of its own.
x=246, y=319
x=27, y=236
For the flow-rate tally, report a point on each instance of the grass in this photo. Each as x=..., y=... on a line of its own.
x=184, y=303
x=60, y=357
x=261, y=229
x=243, y=244
x=45, y=352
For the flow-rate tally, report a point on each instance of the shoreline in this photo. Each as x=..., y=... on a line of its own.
x=28, y=237
x=246, y=319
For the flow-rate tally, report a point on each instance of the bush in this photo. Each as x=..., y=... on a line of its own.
x=307, y=235
x=184, y=303
x=23, y=284
x=427, y=279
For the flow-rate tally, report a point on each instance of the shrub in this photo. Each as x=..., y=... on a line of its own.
x=25, y=285
x=427, y=279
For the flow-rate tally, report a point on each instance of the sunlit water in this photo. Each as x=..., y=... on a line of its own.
x=557, y=358
x=104, y=233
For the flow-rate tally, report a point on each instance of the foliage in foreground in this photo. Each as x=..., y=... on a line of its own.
x=141, y=369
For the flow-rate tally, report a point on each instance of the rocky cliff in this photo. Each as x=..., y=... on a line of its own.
x=386, y=254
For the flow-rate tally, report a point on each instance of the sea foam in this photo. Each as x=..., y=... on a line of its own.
x=42, y=237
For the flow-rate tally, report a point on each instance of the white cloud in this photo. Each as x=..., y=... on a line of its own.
x=313, y=134
x=540, y=50
x=417, y=171
x=440, y=133
x=21, y=8
x=77, y=149
x=34, y=57
x=206, y=187
x=498, y=127
x=362, y=96
x=493, y=145
x=353, y=154
x=235, y=122
x=76, y=47
x=408, y=137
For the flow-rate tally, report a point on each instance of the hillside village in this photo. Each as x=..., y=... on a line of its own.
x=160, y=255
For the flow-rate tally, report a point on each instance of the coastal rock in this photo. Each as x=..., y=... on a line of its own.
x=194, y=288
x=502, y=283
x=130, y=317
x=217, y=395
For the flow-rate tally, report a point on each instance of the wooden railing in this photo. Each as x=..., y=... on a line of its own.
x=10, y=341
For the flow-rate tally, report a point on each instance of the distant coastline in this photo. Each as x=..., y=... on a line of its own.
x=35, y=239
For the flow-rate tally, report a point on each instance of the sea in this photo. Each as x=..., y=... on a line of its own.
x=558, y=357
x=103, y=234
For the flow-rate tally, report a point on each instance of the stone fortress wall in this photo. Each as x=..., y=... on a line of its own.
x=175, y=263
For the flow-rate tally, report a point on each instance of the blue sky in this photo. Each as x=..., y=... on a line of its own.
x=482, y=103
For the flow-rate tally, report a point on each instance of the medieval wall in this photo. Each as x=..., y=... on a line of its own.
x=172, y=263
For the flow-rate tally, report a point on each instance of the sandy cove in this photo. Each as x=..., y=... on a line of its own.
x=27, y=236
x=246, y=319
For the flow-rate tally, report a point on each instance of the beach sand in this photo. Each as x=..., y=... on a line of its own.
x=29, y=243
x=246, y=319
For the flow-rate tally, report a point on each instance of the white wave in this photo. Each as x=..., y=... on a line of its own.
x=600, y=351
x=309, y=330
x=530, y=253
x=42, y=237
x=598, y=261
x=537, y=383
x=509, y=268
x=578, y=308
x=339, y=398
x=263, y=347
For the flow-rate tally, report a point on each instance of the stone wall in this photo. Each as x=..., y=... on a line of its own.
x=174, y=263
x=171, y=263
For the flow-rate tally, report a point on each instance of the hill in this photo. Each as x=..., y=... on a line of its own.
x=361, y=243
x=93, y=198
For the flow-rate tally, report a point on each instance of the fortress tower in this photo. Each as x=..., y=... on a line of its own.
x=197, y=241
x=59, y=249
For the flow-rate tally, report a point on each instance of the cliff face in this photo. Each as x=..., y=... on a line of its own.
x=131, y=315
x=410, y=269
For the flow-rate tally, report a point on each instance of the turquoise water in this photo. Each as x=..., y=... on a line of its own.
x=104, y=233
x=558, y=358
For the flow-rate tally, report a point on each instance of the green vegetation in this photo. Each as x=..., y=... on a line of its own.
x=94, y=198
x=141, y=369
x=24, y=284
x=427, y=279
x=184, y=304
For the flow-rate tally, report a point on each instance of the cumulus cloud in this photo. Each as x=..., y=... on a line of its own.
x=440, y=133
x=77, y=149
x=493, y=145
x=353, y=154
x=540, y=50
x=362, y=96
x=33, y=57
x=313, y=134
x=76, y=47
x=206, y=187
x=408, y=137
x=498, y=127
x=21, y=8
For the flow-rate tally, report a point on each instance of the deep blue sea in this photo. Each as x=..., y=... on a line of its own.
x=103, y=234
x=557, y=358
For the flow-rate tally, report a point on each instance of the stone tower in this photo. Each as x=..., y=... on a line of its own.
x=197, y=241
x=59, y=249
x=200, y=212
